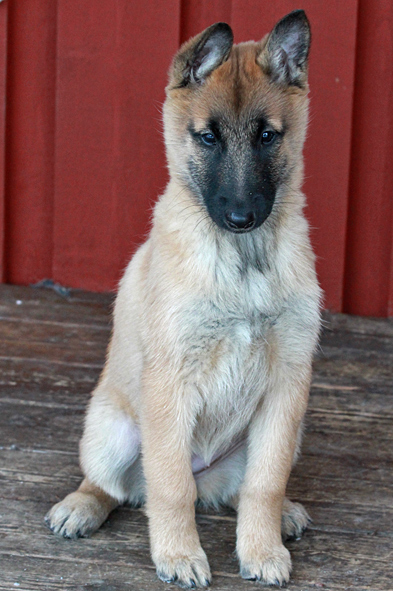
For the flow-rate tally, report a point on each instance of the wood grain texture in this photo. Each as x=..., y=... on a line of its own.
x=343, y=477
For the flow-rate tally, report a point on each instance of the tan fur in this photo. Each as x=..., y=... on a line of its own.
x=192, y=368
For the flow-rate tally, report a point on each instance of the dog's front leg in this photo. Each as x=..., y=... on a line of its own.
x=272, y=442
x=167, y=425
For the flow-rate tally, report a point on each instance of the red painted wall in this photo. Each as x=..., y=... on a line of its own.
x=369, y=257
x=30, y=120
x=82, y=128
x=112, y=66
x=3, y=74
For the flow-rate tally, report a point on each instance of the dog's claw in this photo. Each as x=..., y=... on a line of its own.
x=272, y=569
x=164, y=578
x=186, y=573
x=246, y=574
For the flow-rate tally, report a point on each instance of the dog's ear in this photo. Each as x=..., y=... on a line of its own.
x=199, y=56
x=285, y=55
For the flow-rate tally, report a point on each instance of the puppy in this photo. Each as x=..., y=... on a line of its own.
x=216, y=320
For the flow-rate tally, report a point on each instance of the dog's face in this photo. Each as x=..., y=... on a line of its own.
x=235, y=119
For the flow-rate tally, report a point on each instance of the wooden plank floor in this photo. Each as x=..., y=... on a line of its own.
x=51, y=352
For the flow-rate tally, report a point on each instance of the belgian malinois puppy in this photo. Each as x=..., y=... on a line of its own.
x=208, y=371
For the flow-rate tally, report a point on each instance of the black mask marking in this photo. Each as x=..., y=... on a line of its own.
x=236, y=171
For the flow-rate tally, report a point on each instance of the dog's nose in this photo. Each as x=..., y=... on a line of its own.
x=240, y=221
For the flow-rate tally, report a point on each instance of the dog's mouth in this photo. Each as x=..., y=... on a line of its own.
x=236, y=231
x=240, y=222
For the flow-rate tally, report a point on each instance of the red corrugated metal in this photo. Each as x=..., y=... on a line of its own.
x=368, y=289
x=84, y=147
x=3, y=72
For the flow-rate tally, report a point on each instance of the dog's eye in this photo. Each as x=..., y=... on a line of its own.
x=268, y=137
x=208, y=138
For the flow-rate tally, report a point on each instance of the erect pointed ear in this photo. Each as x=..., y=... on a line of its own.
x=199, y=56
x=284, y=57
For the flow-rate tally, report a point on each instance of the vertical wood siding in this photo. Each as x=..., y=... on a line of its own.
x=112, y=66
x=30, y=118
x=369, y=257
x=84, y=155
x=3, y=74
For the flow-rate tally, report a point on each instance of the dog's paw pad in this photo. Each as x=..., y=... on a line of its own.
x=295, y=520
x=187, y=572
x=78, y=515
x=274, y=569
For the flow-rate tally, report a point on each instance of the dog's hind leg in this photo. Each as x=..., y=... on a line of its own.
x=294, y=521
x=110, y=460
x=82, y=512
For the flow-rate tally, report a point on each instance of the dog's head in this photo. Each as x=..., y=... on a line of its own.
x=235, y=119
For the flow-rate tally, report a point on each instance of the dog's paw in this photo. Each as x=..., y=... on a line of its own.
x=186, y=571
x=271, y=569
x=295, y=520
x=78, y=515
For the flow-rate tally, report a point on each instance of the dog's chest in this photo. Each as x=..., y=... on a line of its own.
x=225, y=366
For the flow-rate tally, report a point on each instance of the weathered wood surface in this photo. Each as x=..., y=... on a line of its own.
x=51, y=351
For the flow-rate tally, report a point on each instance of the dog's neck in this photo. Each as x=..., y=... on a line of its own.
x=185, y=237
